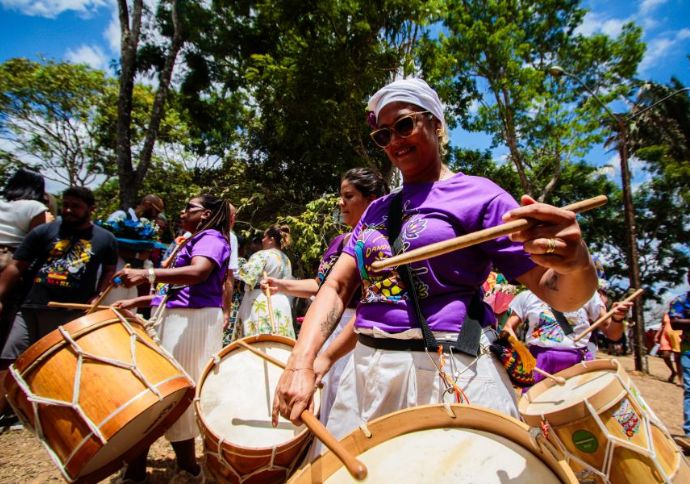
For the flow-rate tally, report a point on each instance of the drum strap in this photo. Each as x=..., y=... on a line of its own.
x=562, y=322
x=471, y=330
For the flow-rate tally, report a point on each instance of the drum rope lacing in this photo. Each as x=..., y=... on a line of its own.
x=613, y=441
x=37, y=400
x=451, y=384
x=221, y=451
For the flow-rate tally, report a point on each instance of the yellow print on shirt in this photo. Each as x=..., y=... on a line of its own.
x=66, y=263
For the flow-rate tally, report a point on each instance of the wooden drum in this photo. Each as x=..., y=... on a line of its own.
x=443, y=443
x=233, y=404
x=603, y=426
x=97, y=391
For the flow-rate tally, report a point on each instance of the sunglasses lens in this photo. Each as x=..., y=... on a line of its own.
x=381, y=137
x=404, y=126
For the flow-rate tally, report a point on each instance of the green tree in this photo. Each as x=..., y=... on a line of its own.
x=50, y=113
x=496, y=53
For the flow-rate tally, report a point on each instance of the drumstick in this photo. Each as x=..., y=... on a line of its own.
x=353, y=465
x=54, y=304
x=558, y=379
x=100, y=298
x=606, y=316
x=269, y=306
x=473, y=238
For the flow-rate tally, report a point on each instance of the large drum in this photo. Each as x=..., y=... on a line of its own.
x=97, y=391
x=604, y=427
x=443, y=443
x=233, y=404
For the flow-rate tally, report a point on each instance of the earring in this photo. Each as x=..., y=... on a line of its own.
x=439, y=132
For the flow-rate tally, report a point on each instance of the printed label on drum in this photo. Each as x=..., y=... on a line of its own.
x=626, y=416
x=585, y=441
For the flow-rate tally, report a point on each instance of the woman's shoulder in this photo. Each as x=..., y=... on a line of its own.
x=471, y=185
x=28, y=207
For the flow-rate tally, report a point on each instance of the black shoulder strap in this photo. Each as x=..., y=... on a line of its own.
x=562, y=321
x=470, y=332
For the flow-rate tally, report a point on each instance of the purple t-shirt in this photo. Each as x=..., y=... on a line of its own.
x=208, y=294
x=433, y=212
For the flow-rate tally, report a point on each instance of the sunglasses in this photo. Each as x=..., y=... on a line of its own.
x=193, y=207
x=404, y=126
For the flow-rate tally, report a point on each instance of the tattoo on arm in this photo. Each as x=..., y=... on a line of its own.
x=552, y=282
x=331, y=321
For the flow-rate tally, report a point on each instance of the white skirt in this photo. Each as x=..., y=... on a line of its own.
x=192, y=337
x=377, y=382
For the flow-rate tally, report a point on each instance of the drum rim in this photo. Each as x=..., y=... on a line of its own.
x=76, y=328
x=601, y=399
x=471, y=417
x=207, y=431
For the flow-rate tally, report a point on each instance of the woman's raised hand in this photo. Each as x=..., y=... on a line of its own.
x=555, y=241
x=130, y=277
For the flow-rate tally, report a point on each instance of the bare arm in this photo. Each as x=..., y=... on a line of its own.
x=512, y=323
x=137, y=302
x=341, y=346
x=304, y=288
x=40, y=219
x=228, y=288
x=197, y=271
x=296, y=386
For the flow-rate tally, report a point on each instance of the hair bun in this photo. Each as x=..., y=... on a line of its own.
x=285, y=239
x=285, y=229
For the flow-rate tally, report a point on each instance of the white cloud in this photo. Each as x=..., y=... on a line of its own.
x=53, y=8
x=87, y=54
x=112, y=33
x=658, y=47
x=646, y=6
x=598, y=23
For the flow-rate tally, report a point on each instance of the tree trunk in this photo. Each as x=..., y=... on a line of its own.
x=128, y=57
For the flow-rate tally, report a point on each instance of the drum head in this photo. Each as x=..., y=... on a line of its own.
x=427, y=444
x=236, y=395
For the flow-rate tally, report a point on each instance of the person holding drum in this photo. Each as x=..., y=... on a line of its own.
x=255, y=309
x=192, y=326
x=679, y=314
x=551, y=333
x=358, y=188
x=390, y=369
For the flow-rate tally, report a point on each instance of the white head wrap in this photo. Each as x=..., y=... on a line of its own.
x=414, y=91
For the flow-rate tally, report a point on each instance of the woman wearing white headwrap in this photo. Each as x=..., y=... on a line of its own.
x=390, y=369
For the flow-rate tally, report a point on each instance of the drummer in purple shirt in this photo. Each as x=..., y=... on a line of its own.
x=191, y=327
x=389, y=369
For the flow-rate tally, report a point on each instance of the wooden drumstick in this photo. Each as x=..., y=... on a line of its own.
x=356, y=468
x=269, y=306
x=558, y=379
x=55, y=304
x=100, y=298
x=606, y=316
x=474, y=238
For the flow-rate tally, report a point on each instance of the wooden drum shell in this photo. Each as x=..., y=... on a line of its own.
x=125, y=411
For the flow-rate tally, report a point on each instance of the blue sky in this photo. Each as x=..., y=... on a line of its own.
x=88, y=31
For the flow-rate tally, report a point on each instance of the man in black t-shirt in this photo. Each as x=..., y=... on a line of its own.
x=68, y=254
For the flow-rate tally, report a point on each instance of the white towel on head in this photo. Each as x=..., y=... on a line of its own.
x=414, y=91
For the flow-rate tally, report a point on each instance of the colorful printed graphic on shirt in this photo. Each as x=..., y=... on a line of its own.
x=373, y=245
x=326, y=266
x=66, y=264
x=628, y=419
x=548, y=329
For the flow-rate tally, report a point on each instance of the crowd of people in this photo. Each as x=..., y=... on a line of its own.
x=370, y=336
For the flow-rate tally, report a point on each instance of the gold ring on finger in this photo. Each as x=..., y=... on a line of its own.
x=551, y=246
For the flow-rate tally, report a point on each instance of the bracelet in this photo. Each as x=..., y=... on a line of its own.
x=298, y=369
x=151, y=276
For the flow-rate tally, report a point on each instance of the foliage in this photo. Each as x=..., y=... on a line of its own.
x=311, y=232
x=493, y=56
x=49, y=115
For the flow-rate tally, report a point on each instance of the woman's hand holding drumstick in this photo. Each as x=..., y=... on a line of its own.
x=608, y=314
x=357, y=469
x=269, y=306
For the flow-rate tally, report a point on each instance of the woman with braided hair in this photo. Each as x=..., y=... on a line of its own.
x=192, y=325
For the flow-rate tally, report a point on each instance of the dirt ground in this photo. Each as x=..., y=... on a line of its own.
x=23, y=459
